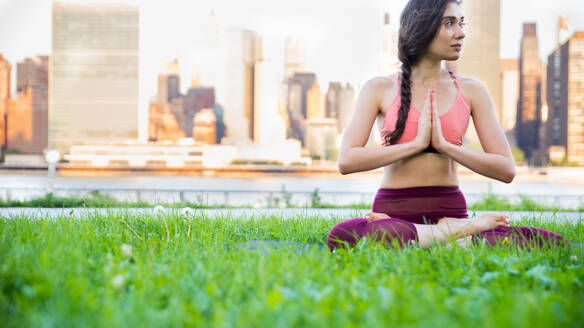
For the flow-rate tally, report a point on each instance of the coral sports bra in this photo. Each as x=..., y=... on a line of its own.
x=454, y=122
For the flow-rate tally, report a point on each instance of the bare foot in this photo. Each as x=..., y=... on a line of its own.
x=448, y=228
x=485, y=221
x=372, y=216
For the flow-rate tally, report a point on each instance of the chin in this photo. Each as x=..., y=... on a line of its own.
x=452, y=57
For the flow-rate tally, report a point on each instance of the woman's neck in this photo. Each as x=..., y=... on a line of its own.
x=426, y=71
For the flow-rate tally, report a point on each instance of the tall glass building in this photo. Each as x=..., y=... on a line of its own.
x=93, y=82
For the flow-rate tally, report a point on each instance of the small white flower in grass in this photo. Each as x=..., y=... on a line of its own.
x=119, y=281
x=127, y=251
x=574, y=258
x=158, y=209
x=187, y=211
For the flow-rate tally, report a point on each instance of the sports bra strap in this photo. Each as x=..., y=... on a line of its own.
x=455, y=80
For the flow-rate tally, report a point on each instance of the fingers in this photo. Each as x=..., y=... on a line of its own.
x=429, y=98
x=503, y=220
x=432, y=98
x=433, y=110
x=372, y=216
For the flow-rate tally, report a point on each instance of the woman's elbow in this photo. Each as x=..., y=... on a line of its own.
x=343, y=169
x=508, y=178
x=344, y=166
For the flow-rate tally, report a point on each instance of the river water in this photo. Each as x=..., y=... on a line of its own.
x=258, y=189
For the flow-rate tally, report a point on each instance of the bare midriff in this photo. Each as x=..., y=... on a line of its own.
x=422, y=169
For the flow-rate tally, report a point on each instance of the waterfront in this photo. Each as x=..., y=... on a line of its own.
x=258, y=189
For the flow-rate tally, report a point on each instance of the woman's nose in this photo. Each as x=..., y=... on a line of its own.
x=459, y=34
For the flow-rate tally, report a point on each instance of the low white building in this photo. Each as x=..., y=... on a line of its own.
x=183, y=154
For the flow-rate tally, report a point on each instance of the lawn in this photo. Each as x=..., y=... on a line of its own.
x=96, y=199
x=175, y=270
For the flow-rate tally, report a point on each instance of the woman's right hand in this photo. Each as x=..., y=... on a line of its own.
x=424, y=135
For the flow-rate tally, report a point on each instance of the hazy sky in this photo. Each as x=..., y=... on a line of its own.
x=340, y=35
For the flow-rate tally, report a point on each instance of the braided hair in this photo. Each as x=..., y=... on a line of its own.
x=419, y=24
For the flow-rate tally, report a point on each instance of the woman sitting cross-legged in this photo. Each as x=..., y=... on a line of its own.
x=490, y=227
x=422, y=113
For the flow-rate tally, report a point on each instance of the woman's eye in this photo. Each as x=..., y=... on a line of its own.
x=449, y=23
x=462, y=24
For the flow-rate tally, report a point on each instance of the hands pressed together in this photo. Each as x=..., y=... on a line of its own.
x=429, y=125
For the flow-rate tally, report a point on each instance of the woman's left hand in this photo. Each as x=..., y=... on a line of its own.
x=372, y=216
x=438, y=141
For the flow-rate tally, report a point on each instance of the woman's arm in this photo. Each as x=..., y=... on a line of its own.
x=353, y=156
x=497, y=161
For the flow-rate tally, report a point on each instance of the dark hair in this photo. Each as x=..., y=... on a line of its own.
x=419, y=24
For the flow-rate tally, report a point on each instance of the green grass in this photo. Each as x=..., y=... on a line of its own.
x=189, y=271
x=495, y=202
x=490, y=202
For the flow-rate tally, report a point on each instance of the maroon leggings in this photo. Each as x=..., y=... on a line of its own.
x=427, y=205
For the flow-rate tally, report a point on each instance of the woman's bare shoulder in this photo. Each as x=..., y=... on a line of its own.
x=380, y=85
x=470, y=83
x=472, y=88
x=382, y=82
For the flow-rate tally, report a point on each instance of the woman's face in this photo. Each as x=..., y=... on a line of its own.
x=448, y=42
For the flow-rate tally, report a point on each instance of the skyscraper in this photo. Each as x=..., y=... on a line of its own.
x=194, y=101
x=529, y=104
x=32, y=71
x=346, y=107
x=27, y=120
x=510, y=95
x=226, y=59
x=339, y=104
x=5, y=69
x=162, y=124
x=166, y=118
x=563, y=30
x=28, y=114
x=268, y=123
x=565, y=98
x=387, y=61
x=321, y=136
x=195, y=76
x=169, y=82
x=294, y=57
x=333, y=100
x=93, y=94
x=219, y=125
x=204, y=127
x=315, y=102
x=480, y=52
x=298, y=86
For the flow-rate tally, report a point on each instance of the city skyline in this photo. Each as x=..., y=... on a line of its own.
x=235, y=60
x=167, y=30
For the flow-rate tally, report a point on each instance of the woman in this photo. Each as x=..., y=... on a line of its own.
x=421, y=147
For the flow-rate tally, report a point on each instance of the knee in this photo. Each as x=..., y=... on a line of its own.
x=346, y=233
x=392, y=230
